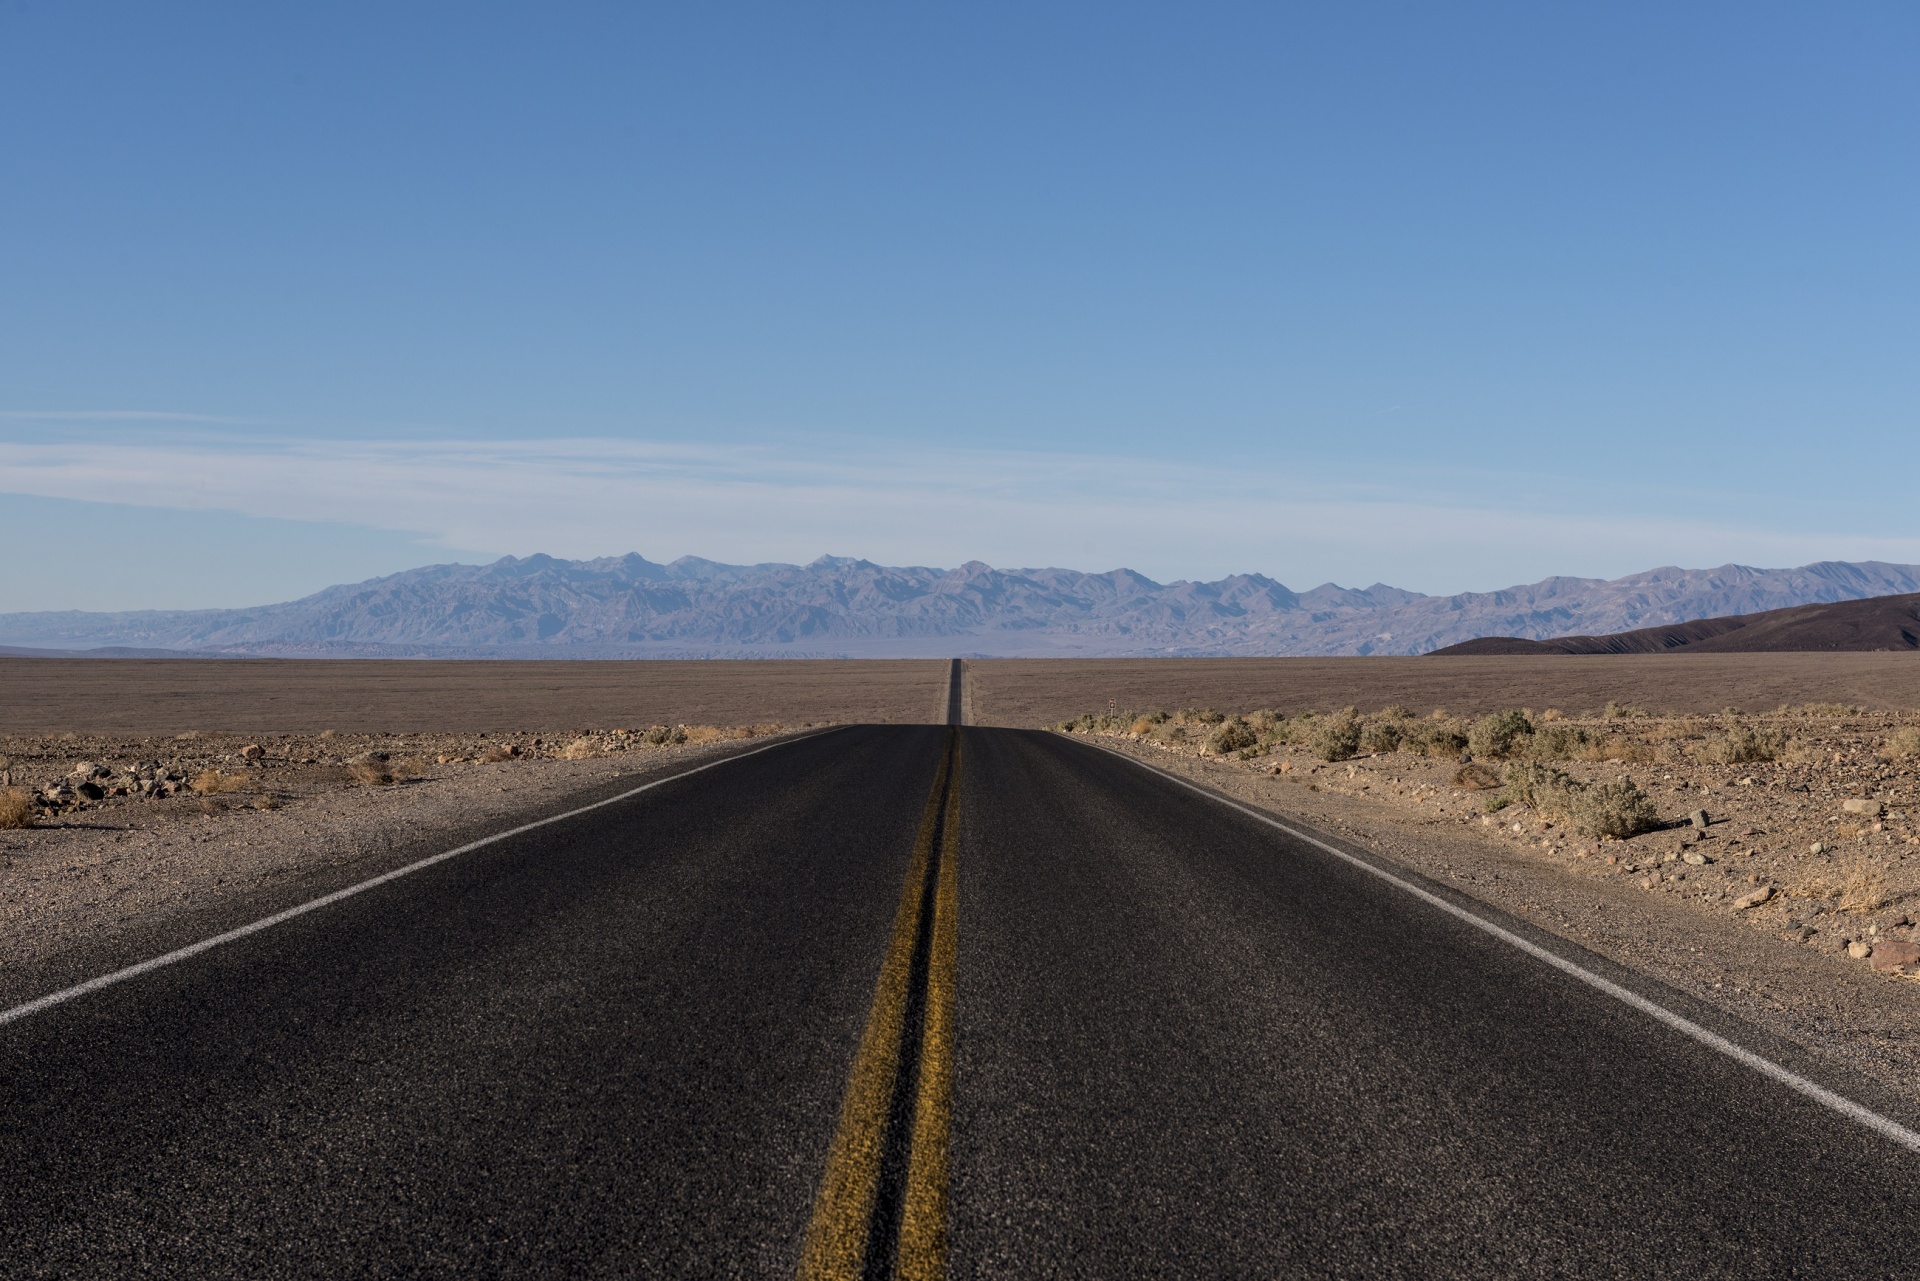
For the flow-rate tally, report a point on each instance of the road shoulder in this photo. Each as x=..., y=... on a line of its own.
x=1837, y=1011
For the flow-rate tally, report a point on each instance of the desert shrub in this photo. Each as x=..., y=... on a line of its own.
x=369, y=771
x=16, y=808
x=1559, y=742
x=1828, y=711
x=1540, y=786
x=580, y=749
x=1336, y=737
x=1803, y=751
x=1231, y=736
x=661, y=735
x=1619, y=810
x=1500, y=735
x=407, y=767
x=1381, y=735
x=1904, y=744
x=1743, y=744
x=497, y=753
x=1439, y=739
x=210, y=782
x=1616, y=711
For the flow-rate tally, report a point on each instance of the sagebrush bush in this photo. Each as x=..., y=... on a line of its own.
x=1743, y=744
x=1381, y=736
x=1557, y=742
x=1336, y=737
x=1904, y=744
x=1438, y=739
x=1500, y=735
x=16, y=808
x=1619, y=810
x=210, y=782
x=1231, y=736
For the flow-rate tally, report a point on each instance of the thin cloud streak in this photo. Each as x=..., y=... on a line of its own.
x=590, y=497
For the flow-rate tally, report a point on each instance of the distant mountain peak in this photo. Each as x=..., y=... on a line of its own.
x=627, y=605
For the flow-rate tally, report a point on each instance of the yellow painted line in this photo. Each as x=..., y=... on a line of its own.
x=923, y=1220
x=842, y=1213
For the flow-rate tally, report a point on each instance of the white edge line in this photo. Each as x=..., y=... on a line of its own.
x=64, y=995
x=1885, y=1126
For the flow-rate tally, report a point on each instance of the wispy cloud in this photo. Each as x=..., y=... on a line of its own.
x=595, y=496
x=114, y=416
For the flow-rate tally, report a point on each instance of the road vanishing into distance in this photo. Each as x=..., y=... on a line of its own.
x=913, y=1001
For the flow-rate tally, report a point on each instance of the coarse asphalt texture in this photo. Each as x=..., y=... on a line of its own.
x=1184, y=1044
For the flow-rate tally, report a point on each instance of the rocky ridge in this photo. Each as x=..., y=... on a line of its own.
x=629, y=606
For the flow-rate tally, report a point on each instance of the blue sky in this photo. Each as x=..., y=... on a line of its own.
x=1446, y=296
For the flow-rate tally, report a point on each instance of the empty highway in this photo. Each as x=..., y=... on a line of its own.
x=916, y=1001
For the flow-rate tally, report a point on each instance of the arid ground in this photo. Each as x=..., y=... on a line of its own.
x=275, y=696
x=1022, y=692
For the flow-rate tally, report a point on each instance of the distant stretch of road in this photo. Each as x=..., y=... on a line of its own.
x=914, y=1001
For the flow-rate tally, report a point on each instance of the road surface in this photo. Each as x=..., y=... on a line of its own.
x=946, y=1001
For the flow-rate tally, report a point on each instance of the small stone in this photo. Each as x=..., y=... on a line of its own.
x=253, y=751
x=1696, y=858
x=1753, y=898
x=1859, y=949
x=91, y=790
x=1895, y=956
x=1816, y=848
x=1873, y=809
x=1699, y=820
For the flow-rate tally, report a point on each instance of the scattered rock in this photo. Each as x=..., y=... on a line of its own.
x=1696, y=858
x=253, y=751
x=1753, y=898
x=1817, y=848
x=1859, y=949
x=1895, y=956
x=91, y=790
x=1873, y=809
x=1699, y=819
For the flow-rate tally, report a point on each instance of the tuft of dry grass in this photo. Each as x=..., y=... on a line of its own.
x=711, y=734
x=580, y=749
x=497, y=753
x=16, y=808
x=213, y=781
x=1904, y=744
x=370, y=773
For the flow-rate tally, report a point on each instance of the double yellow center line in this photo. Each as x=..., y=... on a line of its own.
x=884, y=1195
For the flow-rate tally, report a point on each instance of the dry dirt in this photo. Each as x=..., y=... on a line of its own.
x=255, y=696
x=1666, y=902
x=1023, y=692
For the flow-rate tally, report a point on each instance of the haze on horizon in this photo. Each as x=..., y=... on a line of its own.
x=1450, y=300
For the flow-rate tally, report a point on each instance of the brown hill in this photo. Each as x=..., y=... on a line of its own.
x=1878, y=623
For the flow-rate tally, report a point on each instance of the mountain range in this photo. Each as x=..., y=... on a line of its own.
x=628, y=606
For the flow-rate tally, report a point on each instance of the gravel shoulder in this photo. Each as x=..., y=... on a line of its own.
x=96, y=883
x=1783, y=967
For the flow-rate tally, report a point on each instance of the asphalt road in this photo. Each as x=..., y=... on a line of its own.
x=1177, y=1042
